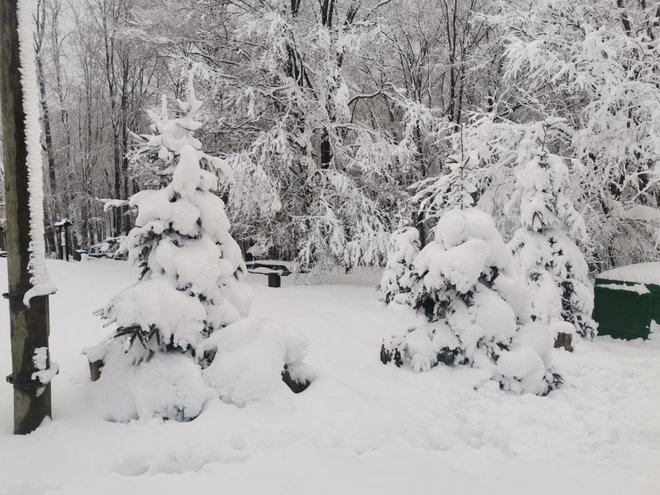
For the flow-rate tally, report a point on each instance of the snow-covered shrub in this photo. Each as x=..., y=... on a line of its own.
x=190, y=288
x=470, y=289
x=557, y=273
x=396, y=283
x=169, y=385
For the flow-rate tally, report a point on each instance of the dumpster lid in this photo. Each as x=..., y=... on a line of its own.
x=640, y=273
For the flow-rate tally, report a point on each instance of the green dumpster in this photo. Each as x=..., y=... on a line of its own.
x=627, y=301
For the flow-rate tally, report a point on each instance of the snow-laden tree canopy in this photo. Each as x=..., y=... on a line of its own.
x=329, y=111
x=595, y=65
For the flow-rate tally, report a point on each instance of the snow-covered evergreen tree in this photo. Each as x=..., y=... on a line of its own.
x=470, y=289
x=190, y=285
x=182, y=244
x=558, y=276
x=396, y=282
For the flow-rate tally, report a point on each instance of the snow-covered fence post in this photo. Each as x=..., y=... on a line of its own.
x=63, y=247
x=29, y=322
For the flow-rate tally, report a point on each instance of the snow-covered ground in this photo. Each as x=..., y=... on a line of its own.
x=361, y=427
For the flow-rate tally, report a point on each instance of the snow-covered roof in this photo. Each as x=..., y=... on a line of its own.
x=640, y=273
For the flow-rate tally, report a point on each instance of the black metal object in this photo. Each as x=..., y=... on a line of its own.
x=24, y=384
x=16, y=295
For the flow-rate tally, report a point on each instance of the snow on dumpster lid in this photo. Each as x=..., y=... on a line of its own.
x=641, y=273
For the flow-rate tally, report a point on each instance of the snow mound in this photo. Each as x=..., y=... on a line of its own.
x=251, y=355
x=167, y=386
x=526, y=368
x=248, y=361
x=422, y=348
x=522, y=371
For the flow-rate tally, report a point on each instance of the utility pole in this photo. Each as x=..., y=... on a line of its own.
x=29, y=326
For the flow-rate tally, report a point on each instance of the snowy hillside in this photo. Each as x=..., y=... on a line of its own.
x=360, y=428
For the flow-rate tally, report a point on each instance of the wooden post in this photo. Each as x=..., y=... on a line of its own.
x=63, y=236
x=58, y=236
x=29, y=326
x=67, y=247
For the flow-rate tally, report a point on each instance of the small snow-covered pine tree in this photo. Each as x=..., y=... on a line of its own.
x=182, y=333
x=557, y=273
x=396, y=283
x=469, y=288
x=191, y=268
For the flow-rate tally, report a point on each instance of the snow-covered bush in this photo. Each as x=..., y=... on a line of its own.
x=557, y=273
x=396, y=283
x=190, y=287
x=470, y=289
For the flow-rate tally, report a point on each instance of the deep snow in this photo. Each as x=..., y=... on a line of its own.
x=360, y=428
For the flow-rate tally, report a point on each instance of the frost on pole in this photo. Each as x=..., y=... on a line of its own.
x=44, y=373
x=41, y=283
